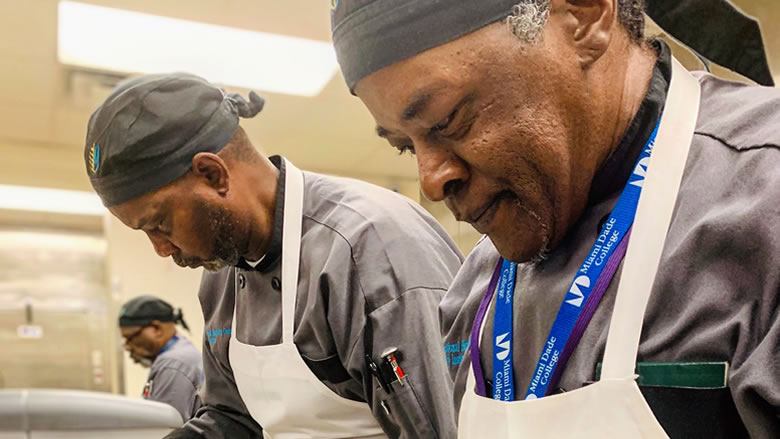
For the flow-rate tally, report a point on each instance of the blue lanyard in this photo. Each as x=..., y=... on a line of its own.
x=168, y=345
x=611, y=233
x=503, y=377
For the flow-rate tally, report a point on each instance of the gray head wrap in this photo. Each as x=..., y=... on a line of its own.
x=145, y=134
x=370, y=35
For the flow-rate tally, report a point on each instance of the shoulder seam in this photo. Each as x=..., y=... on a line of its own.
x=357, y=274
x=735, y=148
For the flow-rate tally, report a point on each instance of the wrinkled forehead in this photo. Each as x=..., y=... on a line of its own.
x=439, y=71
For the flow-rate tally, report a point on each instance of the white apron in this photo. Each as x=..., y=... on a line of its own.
x=279, y=390
x=612, y=407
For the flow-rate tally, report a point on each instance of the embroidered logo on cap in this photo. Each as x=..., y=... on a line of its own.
x=94, y=158
x=334, y=4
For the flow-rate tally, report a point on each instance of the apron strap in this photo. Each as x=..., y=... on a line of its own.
x=651, y=224
x=291, y=246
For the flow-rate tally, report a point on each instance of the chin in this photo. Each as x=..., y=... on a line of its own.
x=214, y=266
x=522, y=237
x=521, y=251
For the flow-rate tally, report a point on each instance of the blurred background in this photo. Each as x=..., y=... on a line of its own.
x=65, y=266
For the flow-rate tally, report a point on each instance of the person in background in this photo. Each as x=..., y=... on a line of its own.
x=148, y=328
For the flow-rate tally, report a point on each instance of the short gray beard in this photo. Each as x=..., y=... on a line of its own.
x=544, y=251
x=221, y=224
x=225, y=251
x=528, y=19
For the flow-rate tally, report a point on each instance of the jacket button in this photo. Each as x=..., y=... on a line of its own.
x=241, y=281
x=276, y=283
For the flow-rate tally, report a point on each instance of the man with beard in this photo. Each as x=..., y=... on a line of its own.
x=321, y=293
x=536, y=122
x=148, y=328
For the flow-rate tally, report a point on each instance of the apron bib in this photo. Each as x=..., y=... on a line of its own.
x=613, y=407
x=279, y=390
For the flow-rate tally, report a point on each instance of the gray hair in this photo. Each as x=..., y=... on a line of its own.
x=529, y=17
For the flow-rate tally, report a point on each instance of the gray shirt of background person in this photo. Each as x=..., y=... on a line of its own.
x=175, y=377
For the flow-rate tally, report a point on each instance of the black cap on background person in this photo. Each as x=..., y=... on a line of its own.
x=148, y=328
x=147, y=324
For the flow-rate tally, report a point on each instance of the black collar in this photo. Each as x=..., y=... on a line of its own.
x=274, y=252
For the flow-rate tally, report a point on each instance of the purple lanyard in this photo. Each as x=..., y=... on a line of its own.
x=579, y=328
x=476, y=364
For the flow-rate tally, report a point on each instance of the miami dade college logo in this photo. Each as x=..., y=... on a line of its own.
x=581, y=281
x=502, y=343
x=640, y=171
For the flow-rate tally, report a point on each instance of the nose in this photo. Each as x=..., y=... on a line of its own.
x=162, y=245
x=441, y=171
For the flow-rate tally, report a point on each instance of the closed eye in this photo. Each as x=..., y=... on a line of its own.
x=163, y=229
x=457, y=124
x=442, y=126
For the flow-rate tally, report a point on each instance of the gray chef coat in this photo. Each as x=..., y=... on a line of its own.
x=715, y=296
x=175, y=377
x=366, y=253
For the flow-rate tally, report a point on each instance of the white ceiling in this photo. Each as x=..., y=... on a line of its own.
x=44, y=109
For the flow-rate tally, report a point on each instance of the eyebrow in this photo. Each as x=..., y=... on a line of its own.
x=143, y=222
x=382, y=132
x=418, y=105
x=148, y=219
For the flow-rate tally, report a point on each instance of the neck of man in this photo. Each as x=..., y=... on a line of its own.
x=634, y=72
x=169, y=333
x=263, y=181
x=618, y=84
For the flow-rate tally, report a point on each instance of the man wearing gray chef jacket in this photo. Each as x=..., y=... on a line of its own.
x=320, y=296
x=628, y=283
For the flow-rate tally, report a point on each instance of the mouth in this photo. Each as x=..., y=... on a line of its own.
x=482, y=217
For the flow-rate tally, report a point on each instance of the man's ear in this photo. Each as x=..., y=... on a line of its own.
x=212, y=170
x=590, y=23
x=156, y=327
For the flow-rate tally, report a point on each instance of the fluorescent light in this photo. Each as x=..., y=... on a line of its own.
x=130, y=42
x=50, y=200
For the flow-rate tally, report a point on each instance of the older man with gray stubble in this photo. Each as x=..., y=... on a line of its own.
x=537, y=124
